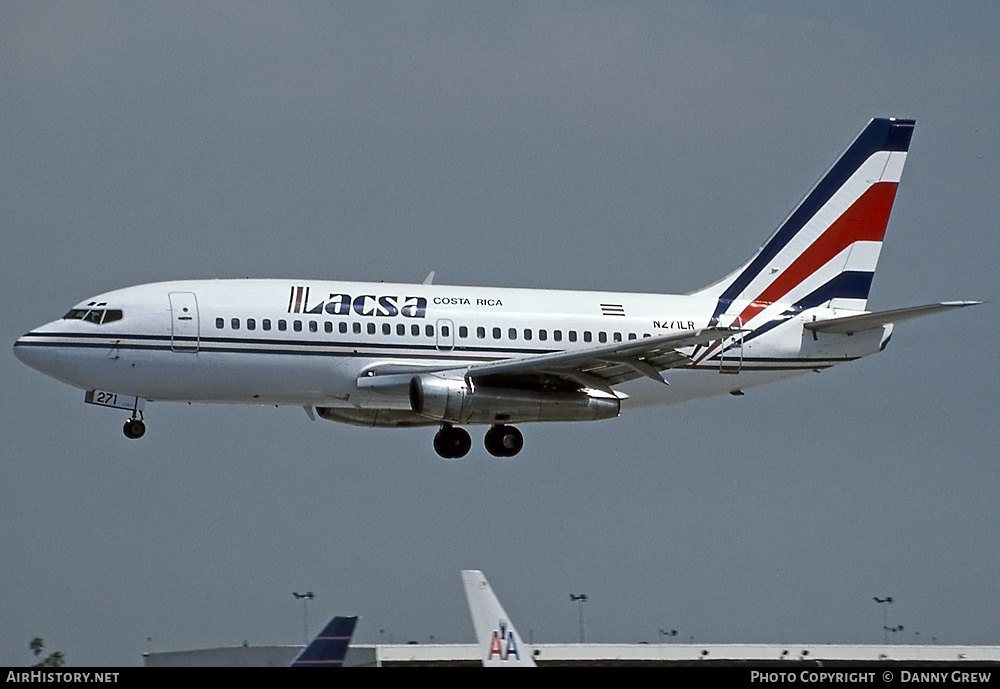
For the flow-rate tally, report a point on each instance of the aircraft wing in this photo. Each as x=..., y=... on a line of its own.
x=848, y=325
x=597, y=367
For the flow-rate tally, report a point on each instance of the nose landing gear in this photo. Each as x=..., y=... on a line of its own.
x=134, y=428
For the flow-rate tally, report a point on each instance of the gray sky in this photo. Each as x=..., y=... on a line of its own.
x=629, y=146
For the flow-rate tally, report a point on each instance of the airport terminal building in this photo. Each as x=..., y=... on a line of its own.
x=603, y=655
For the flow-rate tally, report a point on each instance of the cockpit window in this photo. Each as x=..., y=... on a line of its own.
x=97, y=316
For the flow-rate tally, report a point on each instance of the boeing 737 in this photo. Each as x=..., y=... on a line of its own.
x=404, y=355
x=499, y=643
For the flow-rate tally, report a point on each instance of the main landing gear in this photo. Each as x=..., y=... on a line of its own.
x=134, y=428
x=452, y=443
x=501, y=441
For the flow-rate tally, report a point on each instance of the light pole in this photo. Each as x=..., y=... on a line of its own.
x=580, y=598
x=885, y=603
x=305, y=598
x=893, y=630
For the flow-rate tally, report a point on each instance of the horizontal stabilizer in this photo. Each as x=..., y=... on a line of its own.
x=852, y=324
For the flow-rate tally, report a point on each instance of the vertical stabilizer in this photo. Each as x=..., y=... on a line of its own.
x=826, y=251
x=329, y=647
x=499, y=643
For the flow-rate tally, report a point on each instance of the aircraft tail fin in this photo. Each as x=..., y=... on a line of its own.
x=499, y=643
x=826, y=250
x=329, y=647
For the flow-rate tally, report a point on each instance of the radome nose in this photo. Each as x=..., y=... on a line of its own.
x=19, y=348
x=25, y=352
x=30, y=351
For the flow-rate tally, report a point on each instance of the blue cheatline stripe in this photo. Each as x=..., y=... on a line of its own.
x=750, y=364
x=879, y=135
x=117, y=340
x=291, y=347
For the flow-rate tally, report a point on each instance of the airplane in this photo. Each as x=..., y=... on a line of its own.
x=329, y=647
x=499, y=643
x=410, y=355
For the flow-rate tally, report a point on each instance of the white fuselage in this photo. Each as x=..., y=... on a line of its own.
x=306, y=342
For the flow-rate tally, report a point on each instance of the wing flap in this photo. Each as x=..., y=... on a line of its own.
x=608, y=364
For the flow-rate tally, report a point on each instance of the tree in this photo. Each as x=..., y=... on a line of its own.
x=56, y=659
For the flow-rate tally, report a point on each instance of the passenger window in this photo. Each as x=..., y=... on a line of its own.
x=463, y=331
x=251, y=324
x=631, y=336
x=481, y=332
x=387, y=329
x=557, y=335
x=527, y=333
x=356, y=328
x=572, y=336
x=618, y=337
x=602, y=336
x=282, y=325
x=512, y=333
x=342, y=327
x=542, y=335
x=445, y=330
x=415, y=330
x=328, y=327
x=496, y=333
x=646, y=335
x=429, y=330
x=235, y=323
x=587, y=336
x=400, y=329
x=297, y=326
x=371, y=328
x=266, y=324
x=220, y=323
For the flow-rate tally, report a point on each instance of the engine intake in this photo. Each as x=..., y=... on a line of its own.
x=456, y=401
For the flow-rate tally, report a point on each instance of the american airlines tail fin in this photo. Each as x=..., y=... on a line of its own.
x=329, y=647
x=499, y=643
x=825, y=252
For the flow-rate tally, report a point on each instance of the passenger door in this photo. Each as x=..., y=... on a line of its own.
x=185, y=331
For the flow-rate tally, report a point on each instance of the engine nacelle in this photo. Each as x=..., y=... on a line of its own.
x=457, y=401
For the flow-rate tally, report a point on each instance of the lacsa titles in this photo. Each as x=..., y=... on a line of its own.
x=362, y=305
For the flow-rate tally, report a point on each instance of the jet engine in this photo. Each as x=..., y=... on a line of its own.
x=456, y=400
